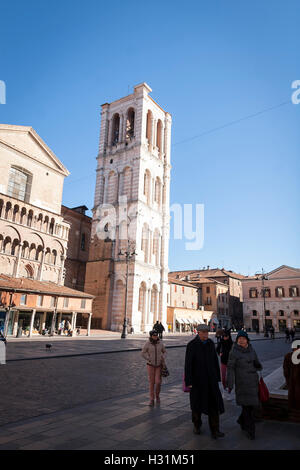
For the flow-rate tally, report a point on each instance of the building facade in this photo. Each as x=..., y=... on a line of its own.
x=131, y=213
x=272, y=299
x=33, y=232
x=184, y=311
x=78, y=245
x=219, y=290
x=33, y=307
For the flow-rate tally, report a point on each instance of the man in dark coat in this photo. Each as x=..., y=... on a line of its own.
x=291, y=372
x=202, y=374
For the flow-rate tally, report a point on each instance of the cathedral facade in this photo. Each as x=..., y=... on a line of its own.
x=127, y=269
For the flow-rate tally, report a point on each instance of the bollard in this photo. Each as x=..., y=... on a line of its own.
x=2, y=352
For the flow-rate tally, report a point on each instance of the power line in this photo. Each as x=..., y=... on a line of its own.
x=231, y=123
x=209, y=131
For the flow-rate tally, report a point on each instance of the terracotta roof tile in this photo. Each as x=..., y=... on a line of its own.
x=46, y=287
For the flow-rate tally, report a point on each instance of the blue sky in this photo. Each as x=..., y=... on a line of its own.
x=209, y=63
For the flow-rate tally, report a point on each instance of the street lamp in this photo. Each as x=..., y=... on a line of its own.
x=263, y=292
x=8, y=312
x=129, y=254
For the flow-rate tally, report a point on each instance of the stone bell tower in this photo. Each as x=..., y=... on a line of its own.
x=131, y=214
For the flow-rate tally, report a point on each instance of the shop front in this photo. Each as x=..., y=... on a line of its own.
x=255, y=324
x=297, y=325
x=268, y=323
x=24, y=320
x=281, y=325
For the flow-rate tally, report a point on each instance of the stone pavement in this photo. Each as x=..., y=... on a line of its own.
x=127, y=423
x=97, y=399
x=34, y=347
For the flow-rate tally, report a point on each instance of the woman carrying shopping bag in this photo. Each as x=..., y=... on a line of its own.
x=154, y=353
x=242, y=368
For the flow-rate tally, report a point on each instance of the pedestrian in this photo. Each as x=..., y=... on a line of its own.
x=202, y=374
x=242, y=374
x=223, y=350
x=257, y=330
x=154, y=352
x=287, y=335
x=272, y=332
x=156, y=326
x=219, y=334
x=291, y=372
x=161, y=330
x=61, y=327
x=292, y=334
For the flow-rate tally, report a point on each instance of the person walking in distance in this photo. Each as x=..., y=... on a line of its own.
x=156, y=326
x=272, y=332
x=223, y=350
x=287, y=335
x=202, y=374
x=242, y=369
x=161, y=330
x=292, y=333
x=154, y=352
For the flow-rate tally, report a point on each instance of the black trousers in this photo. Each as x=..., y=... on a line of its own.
x=213, y=420
x=247, y=419
x=213, y=415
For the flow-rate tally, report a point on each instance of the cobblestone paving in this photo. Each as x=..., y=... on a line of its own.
x=129, y=424
x=35, y=387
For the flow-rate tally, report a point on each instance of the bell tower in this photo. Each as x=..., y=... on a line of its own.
x=131, y=213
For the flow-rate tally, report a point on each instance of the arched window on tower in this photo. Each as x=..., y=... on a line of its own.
x=115, y=129
x=147, y=185
x=130, y=124
x=145, y=242
x=159, y=136
x=149, y=127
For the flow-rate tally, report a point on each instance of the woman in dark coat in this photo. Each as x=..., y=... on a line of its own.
x=242, y=372
x=292, y=376
x=202, y=374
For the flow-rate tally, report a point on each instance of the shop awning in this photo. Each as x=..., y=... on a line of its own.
x=189, y=316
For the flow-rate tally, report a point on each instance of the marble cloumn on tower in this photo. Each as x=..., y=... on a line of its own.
x=128, y=262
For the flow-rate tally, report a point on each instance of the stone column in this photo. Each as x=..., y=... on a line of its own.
x=73, y=323
x=162, y=140
x=89, y=325
x=148, y=306
x=31, y=322
x=121, y=129
x=110, y=122
x=17, y=262
x=41, y=267
x=105, y=189
x=156, y=306
x=154, y=128
x=44, y=321
x=15, y=327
